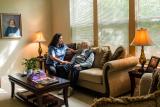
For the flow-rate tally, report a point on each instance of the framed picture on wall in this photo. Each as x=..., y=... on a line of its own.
x=11, y=25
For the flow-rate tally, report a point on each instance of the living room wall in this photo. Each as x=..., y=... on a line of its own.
x=61, y=19
x=36, y=16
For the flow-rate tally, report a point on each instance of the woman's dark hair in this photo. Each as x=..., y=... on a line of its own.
x=55, y=39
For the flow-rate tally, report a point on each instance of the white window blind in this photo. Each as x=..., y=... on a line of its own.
x=148, y=16
x=113, y=17
x=81, y=19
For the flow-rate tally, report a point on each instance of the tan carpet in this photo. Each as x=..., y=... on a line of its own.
x=78, y=99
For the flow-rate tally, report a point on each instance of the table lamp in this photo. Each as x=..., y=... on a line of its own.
x=142, y=39
x=39, y=39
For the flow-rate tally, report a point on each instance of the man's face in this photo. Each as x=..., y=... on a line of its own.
x=84, y=45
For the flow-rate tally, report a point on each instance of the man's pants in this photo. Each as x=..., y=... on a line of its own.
x=75, y=75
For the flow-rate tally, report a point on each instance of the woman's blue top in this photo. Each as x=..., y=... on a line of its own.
x=58, y=52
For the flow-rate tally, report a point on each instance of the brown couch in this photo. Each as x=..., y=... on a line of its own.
x=110, y=78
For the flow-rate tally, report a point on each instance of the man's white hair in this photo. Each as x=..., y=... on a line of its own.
x=85, y=42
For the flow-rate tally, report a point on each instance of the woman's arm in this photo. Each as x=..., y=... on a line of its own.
x=72, y=50
x=53, y=57
x=58, y=60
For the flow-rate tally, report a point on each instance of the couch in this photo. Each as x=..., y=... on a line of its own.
x=143, y=100
x=110, y=78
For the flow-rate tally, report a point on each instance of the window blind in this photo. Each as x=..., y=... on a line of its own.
x=81, y=20
x=148, y=16
x=113, y=17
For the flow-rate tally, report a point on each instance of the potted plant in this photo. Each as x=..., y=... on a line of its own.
x=30, y=65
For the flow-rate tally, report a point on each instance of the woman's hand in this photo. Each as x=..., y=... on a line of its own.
x=65, y=62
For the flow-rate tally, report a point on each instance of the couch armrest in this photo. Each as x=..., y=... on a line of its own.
x=120, y=64
x=145, y=83
x=117, y=66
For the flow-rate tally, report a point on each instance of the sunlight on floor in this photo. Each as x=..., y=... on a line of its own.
x=2, y=91
x=21, y=89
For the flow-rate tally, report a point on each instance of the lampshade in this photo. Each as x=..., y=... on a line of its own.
x=39, y=37
x=142, y=38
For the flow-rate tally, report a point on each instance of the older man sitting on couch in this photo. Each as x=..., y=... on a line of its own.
x=82, y=60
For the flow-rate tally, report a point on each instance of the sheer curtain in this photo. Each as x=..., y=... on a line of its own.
x=81, y=19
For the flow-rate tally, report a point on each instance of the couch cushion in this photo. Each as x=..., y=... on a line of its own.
x=72, y=45
x=92, y=75
x=99, y=52
x=119, y=53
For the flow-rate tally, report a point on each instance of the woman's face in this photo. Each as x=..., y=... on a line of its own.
x=11, y=23
x=60, y=40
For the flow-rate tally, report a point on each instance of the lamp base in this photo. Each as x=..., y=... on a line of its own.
x=39, y=56
x=142, y=59
x=40, y=50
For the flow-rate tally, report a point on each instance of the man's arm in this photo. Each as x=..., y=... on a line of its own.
x=88, y=63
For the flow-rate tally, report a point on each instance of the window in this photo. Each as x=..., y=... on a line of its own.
x=148, y=16
x=113, y=20
x=81, y=19
x=113, y=17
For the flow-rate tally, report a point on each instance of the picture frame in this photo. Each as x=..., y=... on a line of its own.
x=153, y=63
x=11, y=26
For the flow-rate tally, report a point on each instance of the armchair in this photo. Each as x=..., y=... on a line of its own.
x=144, y=100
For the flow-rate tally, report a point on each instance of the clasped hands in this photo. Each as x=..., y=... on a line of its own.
x=67, y=62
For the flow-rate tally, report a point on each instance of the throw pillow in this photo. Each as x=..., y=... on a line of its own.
x=155, y=81
x=105, y=57
x=118, y=54
x=98, y=53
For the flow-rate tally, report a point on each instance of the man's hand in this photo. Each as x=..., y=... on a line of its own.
x=77, y=65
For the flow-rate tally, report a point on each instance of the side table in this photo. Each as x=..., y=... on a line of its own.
x=134, y=74
x=41, y=61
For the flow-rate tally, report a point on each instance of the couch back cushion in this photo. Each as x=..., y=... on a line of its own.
x=119, y=53
x=70, y=54
x=101, y=56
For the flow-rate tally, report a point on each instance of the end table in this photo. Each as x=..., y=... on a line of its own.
x=42, y=62
x=134, y=74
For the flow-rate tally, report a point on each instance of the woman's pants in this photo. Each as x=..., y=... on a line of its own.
x=59, y=70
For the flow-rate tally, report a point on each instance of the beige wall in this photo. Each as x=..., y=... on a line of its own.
x=60, y=18
x=36, y=16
